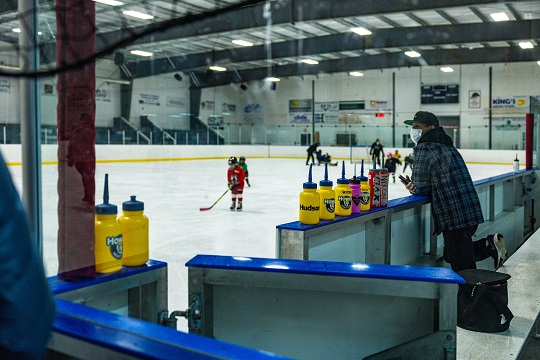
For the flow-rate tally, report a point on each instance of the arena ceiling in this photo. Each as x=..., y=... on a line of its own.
x=189, y=36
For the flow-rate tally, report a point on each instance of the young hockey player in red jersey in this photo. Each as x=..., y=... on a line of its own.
x=235, y=179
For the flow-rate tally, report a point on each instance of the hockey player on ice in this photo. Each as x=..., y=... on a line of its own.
x=235, y=180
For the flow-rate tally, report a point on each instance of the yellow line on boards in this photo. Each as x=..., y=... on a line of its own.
x=18, y=163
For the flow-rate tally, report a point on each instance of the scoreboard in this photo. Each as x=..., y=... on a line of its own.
x=439, y=94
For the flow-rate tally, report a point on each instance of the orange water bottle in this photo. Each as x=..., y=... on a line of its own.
x=135, y=232
x=108, y=235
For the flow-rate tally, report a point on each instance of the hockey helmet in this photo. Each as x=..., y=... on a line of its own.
x=232, y=160
x=242, y=158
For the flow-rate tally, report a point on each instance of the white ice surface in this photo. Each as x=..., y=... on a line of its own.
x=173, y=192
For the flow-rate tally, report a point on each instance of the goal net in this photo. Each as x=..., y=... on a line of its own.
x=359, y=152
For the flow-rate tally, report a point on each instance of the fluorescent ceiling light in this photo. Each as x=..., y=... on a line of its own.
x=242, y=43
x=273, y=79
x=310, y=61
x=9, y=67
x=114, y=81
x=109, y=2
x=17, y=30
x=356, y=73
x=361, y=31
x=138, y=15
x=141, y=53
x=412, y=54
x=218, y=68
x=500, y=16
x=447, y=69
x=526, y=45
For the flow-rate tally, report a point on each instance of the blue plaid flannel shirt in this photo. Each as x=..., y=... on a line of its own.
x=440, y=172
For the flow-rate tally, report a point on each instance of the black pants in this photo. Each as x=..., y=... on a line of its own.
x=376, y=157
x=310, y=156
x=461, y=252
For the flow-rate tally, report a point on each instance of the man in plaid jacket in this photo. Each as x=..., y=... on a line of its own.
x=440, y=173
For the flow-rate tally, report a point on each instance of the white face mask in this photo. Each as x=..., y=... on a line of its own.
x=416, y=134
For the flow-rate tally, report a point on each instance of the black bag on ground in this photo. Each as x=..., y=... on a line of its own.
x=483, y=301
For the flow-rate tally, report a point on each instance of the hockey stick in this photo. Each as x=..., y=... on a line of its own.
x=208, y=208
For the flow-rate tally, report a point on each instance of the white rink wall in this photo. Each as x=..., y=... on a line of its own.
x=119, y=153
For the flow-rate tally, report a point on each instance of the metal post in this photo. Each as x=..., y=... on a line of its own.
x=490, y=114
x=123, y=137
x=109, y=136
x=30, y=122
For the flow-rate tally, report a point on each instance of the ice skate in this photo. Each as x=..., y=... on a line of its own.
x=233, y=205
x=239, y=207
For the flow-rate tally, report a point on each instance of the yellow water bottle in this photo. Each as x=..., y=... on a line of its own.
x=309, y=202
x=327, y=196
x=343, y=194
x=108, y=235
x=365, y=191
x=134, y=232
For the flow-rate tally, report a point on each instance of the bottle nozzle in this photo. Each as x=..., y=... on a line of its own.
x=343, y=169
x=309, y=176
x=106, y=190
x=325, y=171
x=362, y=171
x=516, y=158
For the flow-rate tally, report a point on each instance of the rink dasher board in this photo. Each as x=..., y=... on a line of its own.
x=320, y=310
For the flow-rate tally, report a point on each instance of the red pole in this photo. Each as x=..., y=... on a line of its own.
x=76, y=109
x=529, y=130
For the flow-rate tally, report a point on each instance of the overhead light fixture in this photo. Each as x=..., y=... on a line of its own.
x=138, y=15
x=310, y=61
x=115, y=81
x=447, y=69
x=526, y=45
x=16, y=30
x=273, y=79
x=500, y=16
x=412, y=54
x=242, y=43
x=356, y=73
x=9, y=67
x=361, y=31
x=217, y=68
x=141, y=53
x=109, y=2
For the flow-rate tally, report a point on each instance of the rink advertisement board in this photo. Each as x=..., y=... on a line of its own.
x=327, y=112
x=439, y=94
x=300, y=111
x=510, y=102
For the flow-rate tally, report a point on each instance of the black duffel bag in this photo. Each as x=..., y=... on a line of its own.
x=483, y=301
